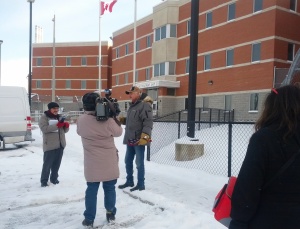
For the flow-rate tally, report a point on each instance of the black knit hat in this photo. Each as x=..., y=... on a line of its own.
x=89, y=101
x=52, y=105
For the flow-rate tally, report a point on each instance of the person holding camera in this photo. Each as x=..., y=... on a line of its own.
x=113, y=100
x=139, y=124
x=100, y=157
x=53, y=128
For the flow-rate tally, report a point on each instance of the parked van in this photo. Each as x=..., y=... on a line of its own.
x=15, y=120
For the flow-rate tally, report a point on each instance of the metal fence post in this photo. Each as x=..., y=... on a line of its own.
x=229, y=147
x=179, y=119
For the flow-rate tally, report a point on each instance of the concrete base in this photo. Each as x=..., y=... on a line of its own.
x=188, y=152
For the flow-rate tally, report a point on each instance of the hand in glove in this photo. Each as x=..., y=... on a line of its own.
x=60, y=124
x=66, y=124
x=145, y=139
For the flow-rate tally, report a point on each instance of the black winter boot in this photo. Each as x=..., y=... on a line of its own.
x=44, y=184
x=140, y=188
x=127, y=184
x=87, y=222
x=110, y=217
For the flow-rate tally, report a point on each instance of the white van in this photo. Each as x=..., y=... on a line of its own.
x=15, y=120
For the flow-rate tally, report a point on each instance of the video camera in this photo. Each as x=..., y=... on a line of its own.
x=104, y=109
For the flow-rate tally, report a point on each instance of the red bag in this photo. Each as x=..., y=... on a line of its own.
x=222, y=205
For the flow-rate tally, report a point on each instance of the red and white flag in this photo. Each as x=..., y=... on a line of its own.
x=107, y=6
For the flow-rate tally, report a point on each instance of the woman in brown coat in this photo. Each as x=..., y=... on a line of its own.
x=100, y=159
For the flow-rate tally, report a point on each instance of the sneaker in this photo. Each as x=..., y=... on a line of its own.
x=125, y=185
x=87, y=222
x=44, y=184
x=140, y=188
x=55, y=182
x=110, y=217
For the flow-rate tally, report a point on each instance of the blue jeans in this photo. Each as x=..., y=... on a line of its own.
x=91, y=198
x=139, y=152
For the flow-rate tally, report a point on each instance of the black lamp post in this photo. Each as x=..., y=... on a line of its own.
x=30, y=51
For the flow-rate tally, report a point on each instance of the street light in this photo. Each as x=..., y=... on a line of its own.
x=0, y=60
x=30, y=50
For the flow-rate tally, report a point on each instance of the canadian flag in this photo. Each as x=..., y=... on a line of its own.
x=107, y=6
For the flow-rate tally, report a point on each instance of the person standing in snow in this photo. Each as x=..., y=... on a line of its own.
x=100, y=159
x=53, y=128
x=276, y=140
x=113, y=100
x=139, y=124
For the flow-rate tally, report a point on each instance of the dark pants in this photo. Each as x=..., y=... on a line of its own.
x=91, y=198
x=52, y=160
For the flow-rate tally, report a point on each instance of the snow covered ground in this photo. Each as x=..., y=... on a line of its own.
x=176, y=198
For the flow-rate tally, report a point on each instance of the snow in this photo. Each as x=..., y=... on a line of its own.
x=175, y=197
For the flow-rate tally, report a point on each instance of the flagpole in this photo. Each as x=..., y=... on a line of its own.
x=134, y=42
x=100, y=62
x=53, y=63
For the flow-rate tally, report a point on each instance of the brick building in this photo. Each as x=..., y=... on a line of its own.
x=76, y=72
x=245, y=48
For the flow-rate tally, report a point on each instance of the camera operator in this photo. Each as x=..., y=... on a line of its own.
x=100, y=158
x=113, y=100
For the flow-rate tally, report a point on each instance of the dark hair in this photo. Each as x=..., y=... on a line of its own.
x=281, y=107
x=89, y=101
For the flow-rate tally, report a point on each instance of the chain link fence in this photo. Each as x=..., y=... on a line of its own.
x=219, y=145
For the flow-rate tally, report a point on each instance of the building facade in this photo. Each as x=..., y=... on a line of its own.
x=245, y=48
x=75, y=73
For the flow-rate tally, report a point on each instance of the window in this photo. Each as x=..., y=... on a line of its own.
x=207, y=62
x=147, y=73
x=171, y=91
x=83, y=84
x=256, y=52
x=52, y=61
x=171, y=68
x=83, y=61
x=38, y=84
x=126, y=49
x=137, y=45
x=291, y=52
x=165, y=31
x=188, y=27
x=148, y=41
x=231, y=12
x=117, y=79
x=98, y=61
x=117, y=52
x=209, y=20
x=205, y=102
x=68, y=61
x=126, y=77
x=173, y=31
x=254, y=102
x=293, y=5
x=257, y=5
x=187, y=65
x=39, y=62
x=165, y=68
x=229, y=57
x=68, y=84
x=227, y=102
x=136, y=78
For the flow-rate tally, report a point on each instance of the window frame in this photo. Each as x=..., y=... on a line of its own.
x=209, y=17
x=253, y=103
x=207, y=62
x=117, y=52
x=187, y=65
x=126, y=50
x=256, y=57
x=257, y=6
x=68, y=84
x=83, y=61
x=68, y=61
x=229, y=57
x=291, y=52
x=293, y=5
x=83, y=84
x=38, y=84
x=231, y=10
x=39, y=62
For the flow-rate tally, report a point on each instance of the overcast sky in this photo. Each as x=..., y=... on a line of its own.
x=76, y=21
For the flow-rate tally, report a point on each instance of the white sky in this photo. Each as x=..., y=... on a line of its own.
x=186, y=195
x=76, y=21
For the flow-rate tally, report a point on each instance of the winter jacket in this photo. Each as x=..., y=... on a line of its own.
x=53, y=137
x=100, y=153
x=277, y=206
x=139, y=119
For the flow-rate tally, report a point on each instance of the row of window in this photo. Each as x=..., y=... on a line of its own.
x=68, y=84
x=39, y=61
x=253, y=105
